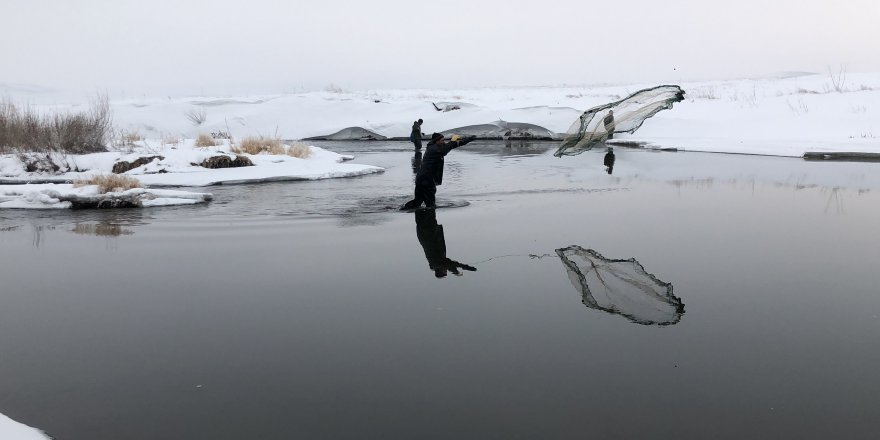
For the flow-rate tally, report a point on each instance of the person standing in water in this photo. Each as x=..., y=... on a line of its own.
x=430, y=172
x=609, y=160
x=416, y=135
x=609, y=123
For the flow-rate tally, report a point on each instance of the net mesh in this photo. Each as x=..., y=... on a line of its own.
x=621, y=287
x=595, y=126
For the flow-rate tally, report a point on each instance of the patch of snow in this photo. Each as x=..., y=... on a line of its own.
x=64, y=196
x=12, y=430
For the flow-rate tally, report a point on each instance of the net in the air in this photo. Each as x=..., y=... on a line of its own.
x=597, y=124
x=621, y=287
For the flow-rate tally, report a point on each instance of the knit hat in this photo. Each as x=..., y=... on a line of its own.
x=436, y=136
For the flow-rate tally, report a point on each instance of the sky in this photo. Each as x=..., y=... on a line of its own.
x=227, y=47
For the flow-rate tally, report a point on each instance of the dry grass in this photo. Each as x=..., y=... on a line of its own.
x=259, y=144
x=128, y=138
x=300, y=150
x=26, y=130
x=170, y=139
x=107, y=183
x=205, y=140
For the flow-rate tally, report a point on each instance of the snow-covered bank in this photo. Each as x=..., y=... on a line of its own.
x=12, y=430
x=177, y=163
x=785, y=115
x=66, y=196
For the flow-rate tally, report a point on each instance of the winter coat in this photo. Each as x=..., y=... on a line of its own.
x=432, y=161
x=416, y=133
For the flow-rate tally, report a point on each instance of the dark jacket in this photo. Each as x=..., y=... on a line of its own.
x=416, y=133
x=432, y=161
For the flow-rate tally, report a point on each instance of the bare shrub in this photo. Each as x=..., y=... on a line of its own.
x=127, y=138
x=838, y=79
x=24, y=129
x=197, y=116
x=205, y=140
x=108, y=183
x=300, y=150
x=259, y=144
x=799, y=108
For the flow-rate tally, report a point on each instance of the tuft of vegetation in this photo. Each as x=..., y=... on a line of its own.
x=127, y=138
x=197, y=116
x=259, y=144
x=224, y=161
x=26, y=130
x=300, y=150
x=838, y=79
x=108, y=183
x=170, y=139
x=205, y=140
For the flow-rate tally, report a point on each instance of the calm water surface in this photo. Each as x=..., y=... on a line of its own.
x=308, y=310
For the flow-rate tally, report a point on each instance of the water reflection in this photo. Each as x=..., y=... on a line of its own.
x=433, y=242
x=621, y=287
x=101, y=229
x=416, y=161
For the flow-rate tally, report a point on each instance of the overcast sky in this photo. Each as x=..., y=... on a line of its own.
x=259, y=45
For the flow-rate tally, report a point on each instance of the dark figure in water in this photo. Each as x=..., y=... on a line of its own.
x=609, y=160
x=430, y=172
x=609, y=123
x=416, y=161
x=434, y=244
x=416, y=135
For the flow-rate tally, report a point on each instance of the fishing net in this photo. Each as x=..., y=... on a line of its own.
x=621, y=287
x=595, y=126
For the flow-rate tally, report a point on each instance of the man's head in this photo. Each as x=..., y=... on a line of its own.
x=437, y=138
x=419, y=121
x=610, y=112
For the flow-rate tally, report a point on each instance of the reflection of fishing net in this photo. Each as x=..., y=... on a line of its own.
x=593, y=126
x=621, y=287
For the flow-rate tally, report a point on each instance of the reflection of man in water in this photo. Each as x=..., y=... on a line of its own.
x=417, y=161
x=434, y=243
x=609, y=160
x=609, y=123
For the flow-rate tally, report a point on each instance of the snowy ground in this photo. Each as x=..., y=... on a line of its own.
x=64, y=196
x=174, y=164
x=785, y=115
x=176, y=168
x=12, y=430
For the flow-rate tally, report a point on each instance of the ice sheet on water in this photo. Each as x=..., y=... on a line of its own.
x=594, y=126
x=621, y=287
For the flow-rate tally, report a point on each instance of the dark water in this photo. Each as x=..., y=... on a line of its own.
x=308, y=310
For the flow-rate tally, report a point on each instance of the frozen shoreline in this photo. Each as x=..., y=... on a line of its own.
x=787, y=115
